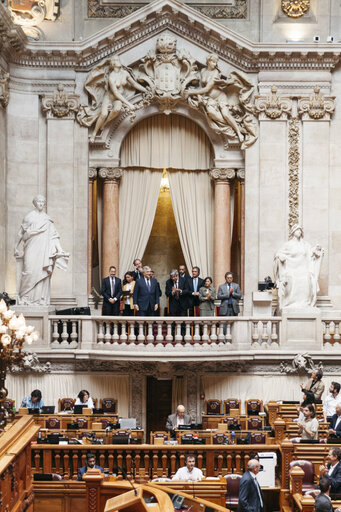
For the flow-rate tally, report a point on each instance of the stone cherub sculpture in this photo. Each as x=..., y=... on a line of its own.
x=41, y=252
x=296, y=270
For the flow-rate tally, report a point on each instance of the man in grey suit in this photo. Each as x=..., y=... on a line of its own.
x=177, y=419
x=322, y=502
x=229, y=294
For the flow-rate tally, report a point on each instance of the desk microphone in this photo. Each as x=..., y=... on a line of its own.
x=126, y=477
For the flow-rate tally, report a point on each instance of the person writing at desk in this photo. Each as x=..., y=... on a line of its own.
x=90, y=463
x=34, y=401
x=85, y=399
x=177, y=419
x=189, y=473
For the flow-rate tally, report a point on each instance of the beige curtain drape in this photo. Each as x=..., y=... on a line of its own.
x=178, y=392
x=244, y=387
x=166, y=142
x=192, y=200
x=139, y=192
x=54, y=386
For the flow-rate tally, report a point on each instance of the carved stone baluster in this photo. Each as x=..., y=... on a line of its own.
x=178, y=335
x=150, y=336
x=188, y=336
x=255, y=335
x=205, y=336
x=100, y=333
x=336, y=332
x=159, y=336
x=123, y=337
x=115, y=336
x=196, y=336
x=221, y=335
x=228, y=336
x=141, y=335
x=64, y=336
x=55, y=334
x=213, y=335
x=107, y=336
x=274, y=335
x=74, y=335
x=131, y=326
x=327, y=337
x=169, y=336
x=265, y=335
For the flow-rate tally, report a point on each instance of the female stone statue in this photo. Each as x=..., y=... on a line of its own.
x=42, y=251
x=225, y=102
x=296, y=270
x=110, y=85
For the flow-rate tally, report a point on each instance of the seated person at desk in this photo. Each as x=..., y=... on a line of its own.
x=334, y=429
x=34, y=401
x=90, y=463
x=189, y=472
x=332, y=470
x=178, y=418
x=85, y=399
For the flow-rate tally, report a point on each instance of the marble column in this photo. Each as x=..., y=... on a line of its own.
x=241, y=178
x=110, y=218
x=92, y=177
x=222, y=222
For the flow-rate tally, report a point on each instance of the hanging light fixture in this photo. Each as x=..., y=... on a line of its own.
x=13, y=334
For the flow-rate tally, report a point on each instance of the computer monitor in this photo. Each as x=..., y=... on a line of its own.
x=48, y=409
x=78, y=409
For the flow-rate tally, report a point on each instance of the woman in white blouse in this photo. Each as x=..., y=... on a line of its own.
x=128, y=286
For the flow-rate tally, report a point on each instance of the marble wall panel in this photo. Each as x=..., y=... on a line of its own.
x=3, y=159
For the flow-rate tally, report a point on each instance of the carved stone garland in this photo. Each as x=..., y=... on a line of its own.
x=4, y=89
x=294, y=159
x=295, y=8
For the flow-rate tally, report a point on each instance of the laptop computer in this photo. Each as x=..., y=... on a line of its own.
x=97, y=411
x=128, y=423
x=78, y=409
x=47, y=409
x=33, y=411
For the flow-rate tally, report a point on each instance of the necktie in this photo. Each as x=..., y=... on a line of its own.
x=259, y=493
x=195, y=284
x=230, y=296
x=112, y=285
x=148, y=284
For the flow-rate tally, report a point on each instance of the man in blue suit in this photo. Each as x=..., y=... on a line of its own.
x=111, y=291
x=90, y=463
x=335, y=423
x=250, y=494
x=332, y=470
x=146, y=294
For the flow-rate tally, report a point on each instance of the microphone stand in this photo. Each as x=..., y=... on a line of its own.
x=126, y=477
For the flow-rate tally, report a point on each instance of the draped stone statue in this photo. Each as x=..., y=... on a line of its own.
x=296, y=270
x=110, y=86
x=41, y=252
x=225, y=102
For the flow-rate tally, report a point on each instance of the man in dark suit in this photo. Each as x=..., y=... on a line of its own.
x=138, y=269
x=177, y=419
x=111, y=291
x=146, y=294
x=182, y=271
x=176, y=289
x=90, y=463
x=322, y=501
x=250, y=494
x=332, y=470
x=194, y=284
x=229, y=294
x=335, y=423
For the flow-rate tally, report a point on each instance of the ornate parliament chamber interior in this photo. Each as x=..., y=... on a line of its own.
x=170, y=274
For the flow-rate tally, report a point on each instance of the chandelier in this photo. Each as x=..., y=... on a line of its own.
x=13, y=334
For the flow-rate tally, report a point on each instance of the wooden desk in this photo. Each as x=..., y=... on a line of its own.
x=64, y=419
x=101, y=434
x=208, y=435
x=211, y=490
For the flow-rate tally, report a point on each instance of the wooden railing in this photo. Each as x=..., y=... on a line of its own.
x=16, y=491
x=120, y=332
x=145, y=462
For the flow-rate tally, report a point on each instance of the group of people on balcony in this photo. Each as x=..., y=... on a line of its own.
x=140, y=293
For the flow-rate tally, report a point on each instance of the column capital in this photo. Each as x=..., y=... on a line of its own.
x=240, y=174
x=317, y=106
x=222, y=174
x=111, y=173
x=92, y=173
x=60, y=104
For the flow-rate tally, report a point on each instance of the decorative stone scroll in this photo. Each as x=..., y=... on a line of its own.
x=295, y=8
x=4, y=89
x=92, y=173
x=170, y=76
x=222, y=174
x=317, y=106
x=60, y=104
x=274, y=105
x=111, y=173
x=30, y=13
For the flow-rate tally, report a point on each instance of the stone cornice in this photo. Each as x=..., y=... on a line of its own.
x=12, y=38
x=185, y=22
